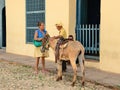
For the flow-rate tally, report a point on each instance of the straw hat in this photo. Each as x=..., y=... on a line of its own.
x=59, y=24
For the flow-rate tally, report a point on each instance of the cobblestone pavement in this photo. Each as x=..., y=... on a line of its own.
x=21, y=77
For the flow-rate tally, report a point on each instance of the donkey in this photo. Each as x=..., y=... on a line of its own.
x=71, y=51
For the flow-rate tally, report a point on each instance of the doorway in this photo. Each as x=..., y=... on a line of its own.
x=88, y=26
x=3, y=27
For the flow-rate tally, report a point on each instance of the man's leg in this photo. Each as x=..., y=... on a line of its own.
x=64, y=67
x=77, y=62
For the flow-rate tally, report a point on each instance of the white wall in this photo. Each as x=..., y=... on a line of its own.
x=2, y=4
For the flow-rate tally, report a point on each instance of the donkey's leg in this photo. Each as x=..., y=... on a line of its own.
x=59, y=67
x=82, y=69
x=74, y=66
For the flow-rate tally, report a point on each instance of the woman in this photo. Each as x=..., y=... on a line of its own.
x=39, y=34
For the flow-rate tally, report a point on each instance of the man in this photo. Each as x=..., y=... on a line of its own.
x=62, y=32
x=61, y=36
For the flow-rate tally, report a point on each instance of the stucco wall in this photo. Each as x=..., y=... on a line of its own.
x=72, y=17
x=110, y=36
x=16, y=29
x=16, y=33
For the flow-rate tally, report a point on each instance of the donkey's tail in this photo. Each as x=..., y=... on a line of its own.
x=81, y=54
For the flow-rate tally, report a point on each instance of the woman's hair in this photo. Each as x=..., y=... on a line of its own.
x=39, y=23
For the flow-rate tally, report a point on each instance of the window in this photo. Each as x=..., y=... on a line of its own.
x=35, y=12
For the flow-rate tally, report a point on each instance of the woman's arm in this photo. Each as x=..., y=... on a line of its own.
x=36, y=37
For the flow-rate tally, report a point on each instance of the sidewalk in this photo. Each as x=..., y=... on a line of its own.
x=92, y=75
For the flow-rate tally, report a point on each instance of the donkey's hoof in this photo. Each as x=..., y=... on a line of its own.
x=83, y=83
x=59, y=78
x=73, y=84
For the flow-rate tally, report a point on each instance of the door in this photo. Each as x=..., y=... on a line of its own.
x=3, y=28
x=88, y=26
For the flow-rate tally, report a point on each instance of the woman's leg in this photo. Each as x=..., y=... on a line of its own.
x=43, y=63
x=44, y=70
x=36, y=64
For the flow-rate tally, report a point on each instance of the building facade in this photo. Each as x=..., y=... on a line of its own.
x=76, y=16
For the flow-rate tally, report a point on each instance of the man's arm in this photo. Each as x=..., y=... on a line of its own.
x=57, y=37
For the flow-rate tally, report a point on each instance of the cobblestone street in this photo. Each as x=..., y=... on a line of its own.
x=21, y=77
